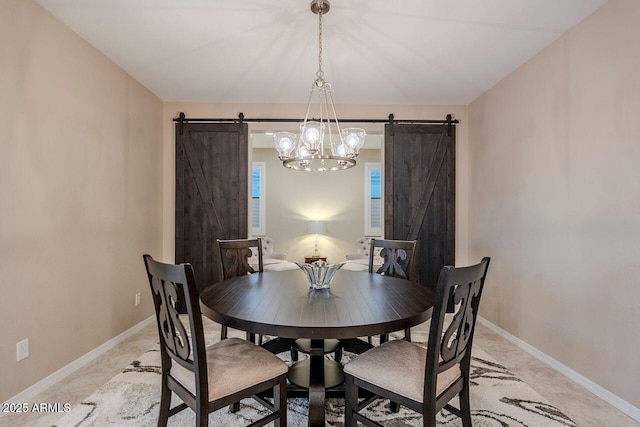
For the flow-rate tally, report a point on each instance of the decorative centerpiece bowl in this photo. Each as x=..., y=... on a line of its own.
x=319, y=273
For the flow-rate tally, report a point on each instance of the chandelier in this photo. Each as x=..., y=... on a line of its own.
x=307, y=152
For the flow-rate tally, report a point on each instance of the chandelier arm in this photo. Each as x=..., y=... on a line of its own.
x=328, y=117
x=306, y=116
x=320, y=100
x=336, y=117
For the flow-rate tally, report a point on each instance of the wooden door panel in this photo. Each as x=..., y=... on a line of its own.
x=420, y=194
x=211, y=193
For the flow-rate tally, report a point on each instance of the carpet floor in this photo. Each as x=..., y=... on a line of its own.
x=498, y=398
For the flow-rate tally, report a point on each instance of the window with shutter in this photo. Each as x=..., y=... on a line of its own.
x=373, y=199
x=258, y=198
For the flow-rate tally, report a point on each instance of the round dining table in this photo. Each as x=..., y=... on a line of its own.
x=281, y=304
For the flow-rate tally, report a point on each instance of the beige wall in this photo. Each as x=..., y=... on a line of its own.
x=555, y=199
x=80, y=195
x=293, y=198
x=172, y=110
x=552, y=172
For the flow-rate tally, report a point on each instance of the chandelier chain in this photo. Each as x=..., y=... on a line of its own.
x=320, y=73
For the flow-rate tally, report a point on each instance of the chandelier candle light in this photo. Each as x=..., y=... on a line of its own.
x=307, y=152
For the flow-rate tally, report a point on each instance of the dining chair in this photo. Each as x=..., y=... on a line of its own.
x=398, y=258
x=233, y=261
x=233, y=257
x=394, y=369
x=207, y=379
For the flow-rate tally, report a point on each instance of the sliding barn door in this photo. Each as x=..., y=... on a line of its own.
x=420, y=194
x=211, y=193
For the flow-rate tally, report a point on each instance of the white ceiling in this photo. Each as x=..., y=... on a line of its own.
x=375, y=51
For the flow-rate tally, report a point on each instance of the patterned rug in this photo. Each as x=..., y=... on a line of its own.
x=498, y=398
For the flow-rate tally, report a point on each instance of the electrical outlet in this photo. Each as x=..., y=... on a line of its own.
x=138, y=298
x=22, y=350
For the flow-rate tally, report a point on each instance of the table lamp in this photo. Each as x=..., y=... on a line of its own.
x=316, y=227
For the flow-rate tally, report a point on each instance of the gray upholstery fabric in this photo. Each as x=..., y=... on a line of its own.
x=233, y=365
x=398, y=366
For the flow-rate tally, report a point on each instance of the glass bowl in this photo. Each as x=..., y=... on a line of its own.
x=319, y=273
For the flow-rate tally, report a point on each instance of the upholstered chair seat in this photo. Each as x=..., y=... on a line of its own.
x=237, y=364
x=424, y=380
x=399, y=366
x=207, y=378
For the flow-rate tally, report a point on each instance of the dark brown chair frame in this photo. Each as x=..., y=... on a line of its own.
x=465, y=284
x=398, y=261
x=167, y=281
x=233, y=261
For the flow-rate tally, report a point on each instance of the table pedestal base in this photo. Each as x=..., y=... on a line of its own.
x=316, y=373
x=316, y=376
x=299, y=373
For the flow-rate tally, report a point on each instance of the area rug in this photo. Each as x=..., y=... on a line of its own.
x=498, y=398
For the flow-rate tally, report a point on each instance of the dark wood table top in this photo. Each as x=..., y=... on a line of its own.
x=280, y=303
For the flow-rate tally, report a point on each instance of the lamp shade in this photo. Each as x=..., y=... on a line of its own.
x=316, y=227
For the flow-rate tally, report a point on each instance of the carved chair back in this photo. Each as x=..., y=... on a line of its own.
x=167, y=282
x=397, y=254
x=233, y=257
x=444, y=350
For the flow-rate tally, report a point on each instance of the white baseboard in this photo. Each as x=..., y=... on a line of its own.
x=594, y=388
x=47, y=382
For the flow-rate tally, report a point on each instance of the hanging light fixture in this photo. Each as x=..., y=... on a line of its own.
x=306, y=152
